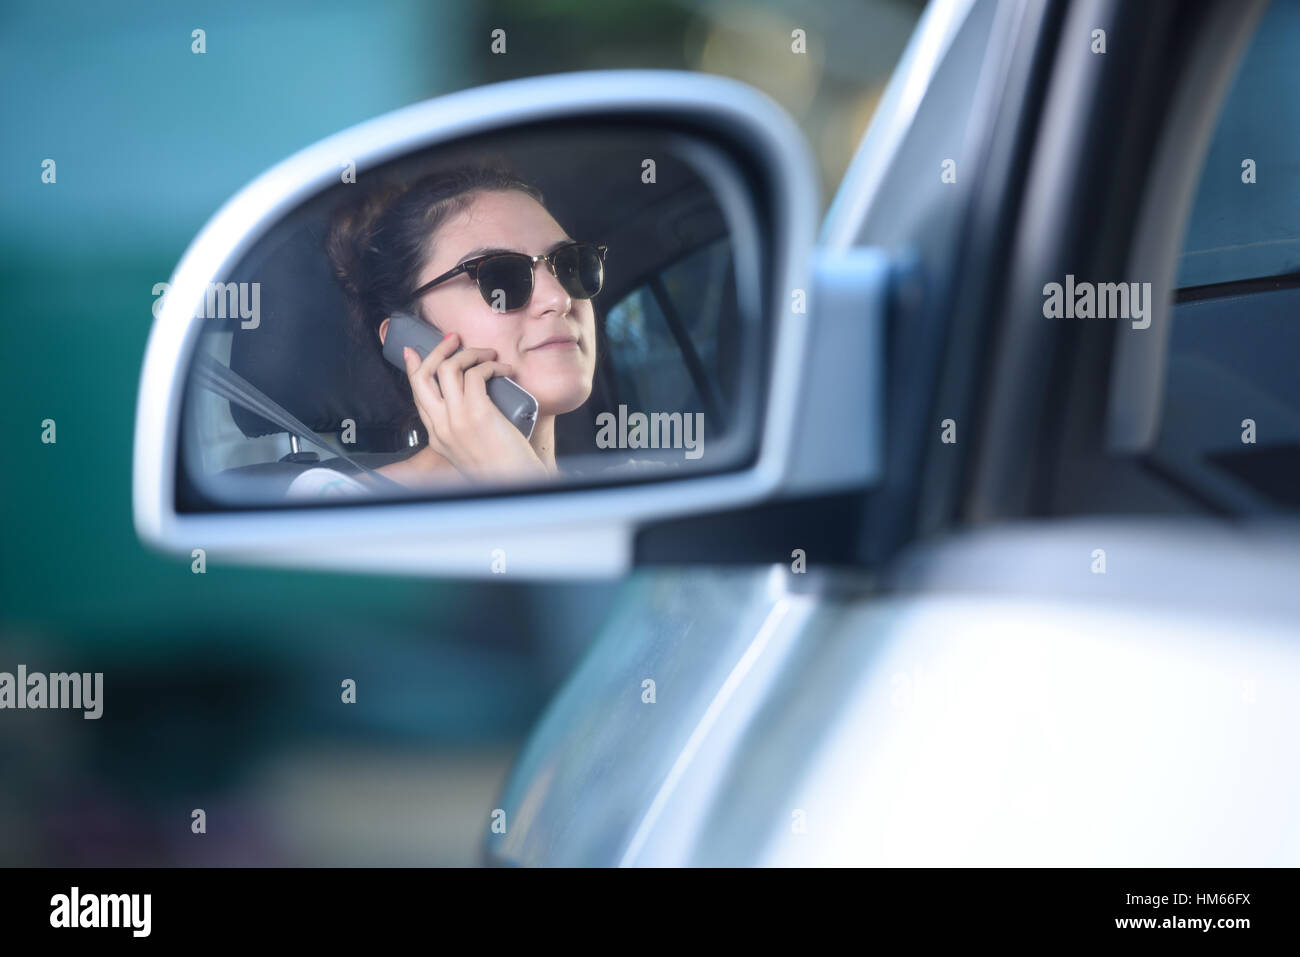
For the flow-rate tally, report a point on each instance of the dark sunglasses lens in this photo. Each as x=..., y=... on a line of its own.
x=506, y=282
x=580, y=270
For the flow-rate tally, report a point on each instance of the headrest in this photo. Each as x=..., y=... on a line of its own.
x=303, y=352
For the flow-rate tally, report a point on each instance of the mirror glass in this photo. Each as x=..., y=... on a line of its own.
x=588, y=299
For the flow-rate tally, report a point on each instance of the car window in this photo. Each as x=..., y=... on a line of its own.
x=1230, y=418
x=664, y=335
x=1245, y=222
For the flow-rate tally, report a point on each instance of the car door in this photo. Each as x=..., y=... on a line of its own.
x=996, y=694
x=907, y=507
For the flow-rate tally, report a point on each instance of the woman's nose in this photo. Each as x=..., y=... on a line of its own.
x=548, y=294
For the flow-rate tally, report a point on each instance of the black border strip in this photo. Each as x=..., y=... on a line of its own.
x=1238, y=287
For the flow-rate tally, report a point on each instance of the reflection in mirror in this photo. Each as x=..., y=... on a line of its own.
x=564, y=305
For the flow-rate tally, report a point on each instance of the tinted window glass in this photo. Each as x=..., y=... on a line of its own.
x=1230, y=419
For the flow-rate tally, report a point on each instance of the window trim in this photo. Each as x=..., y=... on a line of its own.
x=1108, y=188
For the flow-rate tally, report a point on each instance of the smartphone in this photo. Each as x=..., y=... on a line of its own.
x=514, y=401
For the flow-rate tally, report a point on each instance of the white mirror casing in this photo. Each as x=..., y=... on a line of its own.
x=822, y=361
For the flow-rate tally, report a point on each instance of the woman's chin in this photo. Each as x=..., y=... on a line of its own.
x=558, y=401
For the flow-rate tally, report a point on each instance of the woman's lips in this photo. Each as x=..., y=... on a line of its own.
x=556, y=343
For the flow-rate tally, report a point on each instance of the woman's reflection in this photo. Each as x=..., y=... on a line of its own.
x=474, y=252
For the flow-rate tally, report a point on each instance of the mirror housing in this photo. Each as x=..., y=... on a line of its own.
x=821, y=367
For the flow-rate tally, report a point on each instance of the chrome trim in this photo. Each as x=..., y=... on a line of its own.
x=707, y=722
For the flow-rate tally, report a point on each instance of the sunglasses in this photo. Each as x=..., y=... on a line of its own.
x=505, y=280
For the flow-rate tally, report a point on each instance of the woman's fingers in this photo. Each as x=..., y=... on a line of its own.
x=413, y=367
x=476, y=378
x=451, y=373
x=423, y=386
x=450, y=368
x=450, y=343
x=450, y=390
x=428, y=400
x=436, y=355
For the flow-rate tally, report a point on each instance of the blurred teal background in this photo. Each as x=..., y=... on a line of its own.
x=222, y=690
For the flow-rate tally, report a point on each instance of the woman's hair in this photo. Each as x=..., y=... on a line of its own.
x=378, y=243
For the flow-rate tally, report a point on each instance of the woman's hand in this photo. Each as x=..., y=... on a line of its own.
x=464, y=426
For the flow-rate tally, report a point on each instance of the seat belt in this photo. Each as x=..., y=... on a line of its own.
x=233, y=387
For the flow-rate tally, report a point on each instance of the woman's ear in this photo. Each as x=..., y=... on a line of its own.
x=383, y=330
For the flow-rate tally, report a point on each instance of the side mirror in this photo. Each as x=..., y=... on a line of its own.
x=639, y=332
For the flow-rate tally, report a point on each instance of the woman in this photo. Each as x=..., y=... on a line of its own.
x=474, y=252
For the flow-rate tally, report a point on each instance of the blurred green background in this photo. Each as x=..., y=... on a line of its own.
x=222, y=690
